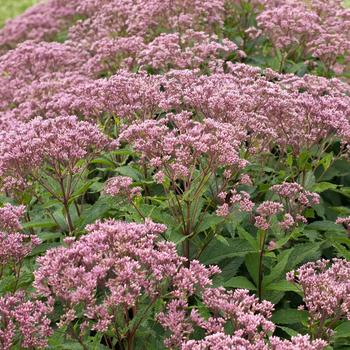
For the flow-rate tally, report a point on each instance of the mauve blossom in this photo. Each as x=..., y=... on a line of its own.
x=24, y=320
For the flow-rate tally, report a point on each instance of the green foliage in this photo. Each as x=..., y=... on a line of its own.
x=10, y=8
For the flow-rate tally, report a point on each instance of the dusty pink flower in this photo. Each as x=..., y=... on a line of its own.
x=25, y=321
x=10, y=217
x=121, y=186
x=60, y=143
x=326, y=290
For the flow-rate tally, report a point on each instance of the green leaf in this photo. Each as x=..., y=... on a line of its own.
x=252, y=264
x=323, y=186
x=282, y=286
x=325, y=225
x=42, y=248
x=344, y=252
x=302, y=253
x=97, y=210
x=209, y=221
x=39, y=224
x=279, y=268
x=248, y=237
x=289, y=316
x=217, y=251
x=309, y=181
x=239, y=282
x=343, y=330
x=129, y=171
x=291, y=332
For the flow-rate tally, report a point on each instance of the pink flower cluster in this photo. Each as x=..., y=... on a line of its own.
x=249, y=317
x=326, y=288
x=60, y=142
x=190, y=50
x=10, y=218
x=177, y=144
x=295, y=199
x=121, y=186
x=14, y=246
x=320, y=29
x=23, y=322
x=242, y=199
x=124, y=258
x=344, y=221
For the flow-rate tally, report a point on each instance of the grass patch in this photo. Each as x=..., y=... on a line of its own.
x=12, y=8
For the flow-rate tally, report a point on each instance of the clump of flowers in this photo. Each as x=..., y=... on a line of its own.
x=14, y=246
x=125, y=259
x=60, y=142
x=307, y=29
x=345, y=222
x=49, y=149
x=266, y=210
x=10, y=216
x=326, y=287
x=299, y=342
x=121, y=186
x=176, y=144
x=190, y=50
x=240, y=199
x=250, y=320
x=295, y=199
x=23, y=322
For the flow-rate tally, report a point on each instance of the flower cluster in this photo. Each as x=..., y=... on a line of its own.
x=124, y=258
x=10, y=218
x=176, y=144
x=60, y=142
x=14, y=246
x=249, y=317
x=295, y=199
x=320, y=29
x=23, y=322
x=121, y=186
x=326, y=287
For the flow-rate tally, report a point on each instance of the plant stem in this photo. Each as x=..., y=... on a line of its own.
x=261, y=265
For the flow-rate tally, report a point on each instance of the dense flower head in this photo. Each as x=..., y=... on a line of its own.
x=10, y=216
x=316, y=28
x=269, y=208
x=187, y=51
x=343, y=221
x=61, y=141
x=15, y=247
x=299, y=342
x=25, y=321
x=121, y=186
x=241, y=199
x=250, y=317
x=295, y=199
x=177, y=149
x=295, y=192
x=40, y=22
x=144, y=17
x=125, y=258
x=326, y=288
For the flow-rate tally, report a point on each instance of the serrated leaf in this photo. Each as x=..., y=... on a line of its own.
x=239, y=282
x=323, y=186
x=217, y=251
x=343, y=330
x=129, y=171
x=289, y=316
x=209, y=221
x=282, y=286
